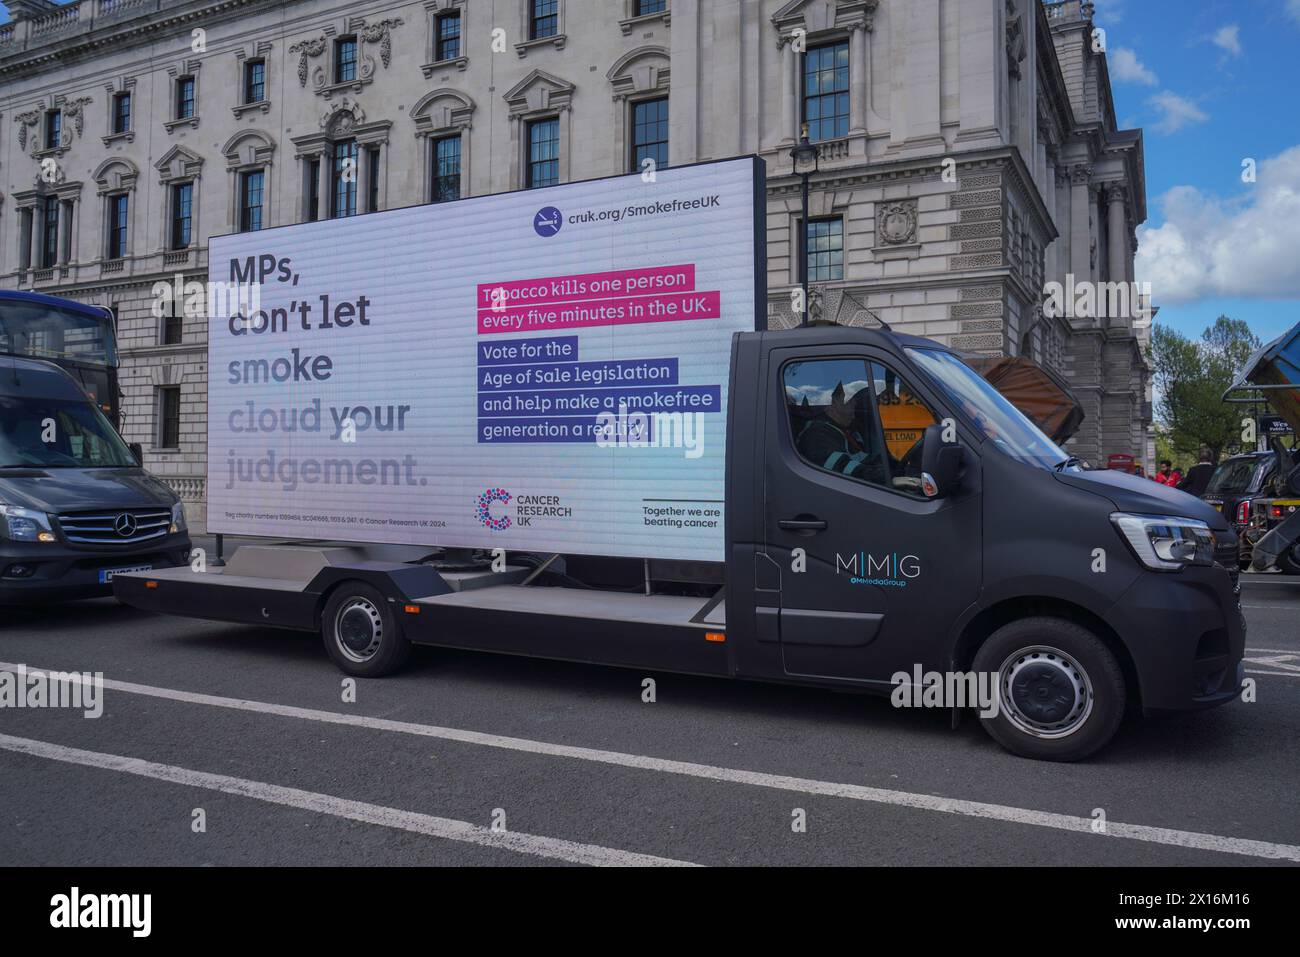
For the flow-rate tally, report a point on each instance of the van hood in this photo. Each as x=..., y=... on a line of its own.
x=67, y=490
x=1131, y=493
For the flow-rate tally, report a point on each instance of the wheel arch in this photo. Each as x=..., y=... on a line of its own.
x=990, y=619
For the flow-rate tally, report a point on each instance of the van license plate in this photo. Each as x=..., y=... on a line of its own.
x=106, y=574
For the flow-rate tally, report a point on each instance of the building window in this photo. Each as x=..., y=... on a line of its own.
x=825, y=248
x=650, y=133
x=543, y=152
x=447, y=28
x=121, y=112
x=49, y=231
x=118, y=207
x=169, y=417
x=182, y=214
x=446, y=170
x=544, y=19
x=254, y=81
x=185, y=98
x=343, y=185
x=644, y=8
x=67, y=232
x=372, y=183
x=311, y=170
x=251, y=185
x=345, y=59
x=53, y=129
x=172, y=325
x=826, y=91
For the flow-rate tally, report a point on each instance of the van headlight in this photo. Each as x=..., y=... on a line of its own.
x=25, y=525
x=178, y=518
x=1166, y=542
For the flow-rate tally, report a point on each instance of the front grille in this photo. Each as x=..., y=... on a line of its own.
x=126, y=526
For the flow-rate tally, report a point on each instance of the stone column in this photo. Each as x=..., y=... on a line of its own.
x=1049, y=200
x=1080, y=231
x=1118, y=238
x=858, y=78
x=788, y=79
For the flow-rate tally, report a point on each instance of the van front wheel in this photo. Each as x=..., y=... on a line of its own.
x=361, y=632
x=1060, y=689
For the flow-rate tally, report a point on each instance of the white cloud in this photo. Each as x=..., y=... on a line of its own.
x=1228, y=39
x=1127, y=68
x=1293, y=9
x=1242, y=248
x=1175, y=112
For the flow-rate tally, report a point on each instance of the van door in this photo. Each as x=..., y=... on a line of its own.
x=873, y=574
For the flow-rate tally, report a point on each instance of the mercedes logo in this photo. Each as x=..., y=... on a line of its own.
x=125, y=525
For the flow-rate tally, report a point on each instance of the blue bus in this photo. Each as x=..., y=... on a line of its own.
x=73, y=335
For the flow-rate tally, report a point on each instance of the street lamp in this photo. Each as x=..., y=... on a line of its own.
x=804, y=157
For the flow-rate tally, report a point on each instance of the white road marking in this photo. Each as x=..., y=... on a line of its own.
x=855, y=792
x=412, y=821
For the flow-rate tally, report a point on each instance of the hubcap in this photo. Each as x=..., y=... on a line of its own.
x=358, y=629
x=1045, y=692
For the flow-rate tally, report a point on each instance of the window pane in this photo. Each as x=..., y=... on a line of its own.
x=824, y=243
x=313, y=190
x=644, y=7
x=121, y=112
x=49, y=231
x=344, y=199
x=826, y=91
x=448, y=25
x=650, y=133
x=545, y=19
x=904, y=417
x=182, y=202
x=832, y=418
x=446, y=169
x=255, y=82
x=250, y=201
x=543, y=153
x=53, y=129
x=345, y=60
x=185, y=97
x=169, y=416
x=117, y=216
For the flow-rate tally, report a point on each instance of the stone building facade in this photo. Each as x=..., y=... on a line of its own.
x=968, y=156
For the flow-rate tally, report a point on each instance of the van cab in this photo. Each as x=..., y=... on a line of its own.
x=76, y=508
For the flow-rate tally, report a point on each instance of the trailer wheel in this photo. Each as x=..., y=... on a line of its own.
x=1060, y=689
x=1289, y=561
x=361, y=633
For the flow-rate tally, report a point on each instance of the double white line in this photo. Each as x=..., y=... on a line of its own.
x=582, y=853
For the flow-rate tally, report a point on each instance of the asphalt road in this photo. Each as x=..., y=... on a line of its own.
x=248, y=729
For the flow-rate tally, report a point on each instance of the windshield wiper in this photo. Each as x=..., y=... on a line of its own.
x=1072, y=460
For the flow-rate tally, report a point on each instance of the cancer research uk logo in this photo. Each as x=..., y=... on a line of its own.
x=548, y=221
x=483, y=509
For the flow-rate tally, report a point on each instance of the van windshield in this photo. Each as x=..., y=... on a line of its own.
x=58, y=434
x=1233, y=475
x=985, y=408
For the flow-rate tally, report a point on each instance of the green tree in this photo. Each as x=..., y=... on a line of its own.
x=1190, y=377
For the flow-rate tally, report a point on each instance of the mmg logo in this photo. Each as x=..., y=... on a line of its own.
x=891, y=569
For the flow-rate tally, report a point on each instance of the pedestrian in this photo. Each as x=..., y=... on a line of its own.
x=1198, y=476
x=1139, y=472
x=1167, y=474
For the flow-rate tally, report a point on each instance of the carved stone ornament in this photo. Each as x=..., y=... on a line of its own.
x=340, y=121
x=379, y=33
x=896, y=222
x=305, y=49
x=24, y=120
x=1016, y=48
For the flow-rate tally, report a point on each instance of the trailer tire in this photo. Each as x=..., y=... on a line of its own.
x=1289, y=561
x=361, y=632
x=1061, y=692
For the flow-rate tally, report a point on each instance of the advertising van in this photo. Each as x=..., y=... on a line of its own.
x=568, y=433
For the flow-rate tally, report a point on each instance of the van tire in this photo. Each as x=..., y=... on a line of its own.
x=1035, y=657
x=361, y=633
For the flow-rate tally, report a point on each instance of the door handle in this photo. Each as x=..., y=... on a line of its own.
x=804, y=524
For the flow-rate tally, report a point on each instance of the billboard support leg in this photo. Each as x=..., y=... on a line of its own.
x=220, y=560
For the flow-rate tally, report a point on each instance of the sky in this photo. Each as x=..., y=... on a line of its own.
x=1214, y=84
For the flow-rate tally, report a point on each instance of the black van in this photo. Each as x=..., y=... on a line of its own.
x=1235, y=482
x=75, y=505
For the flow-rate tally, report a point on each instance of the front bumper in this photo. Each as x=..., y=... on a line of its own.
x=1187, y=636
x=60, y=572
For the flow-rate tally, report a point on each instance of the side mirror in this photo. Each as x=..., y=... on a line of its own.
x=940, y=464
x=138, y=451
